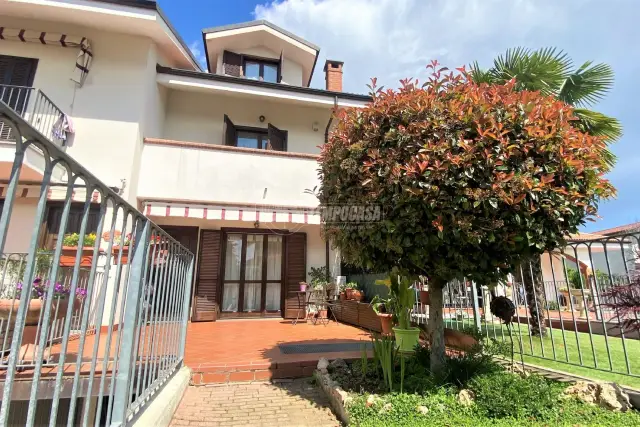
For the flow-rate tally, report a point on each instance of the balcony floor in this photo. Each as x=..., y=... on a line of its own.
x=241, y=350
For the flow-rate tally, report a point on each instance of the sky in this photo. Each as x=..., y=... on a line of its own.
x=394, y=39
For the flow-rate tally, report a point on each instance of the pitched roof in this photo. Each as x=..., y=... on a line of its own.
x=257, y=23
x=635, y=226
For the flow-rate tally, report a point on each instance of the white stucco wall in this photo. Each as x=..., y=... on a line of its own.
x=291, y=71
x=177, y=173
x=21, y=225
x=111, y=106
x=199, y=117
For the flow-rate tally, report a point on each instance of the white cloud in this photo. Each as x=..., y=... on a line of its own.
x=198, y=53
x=394, y=39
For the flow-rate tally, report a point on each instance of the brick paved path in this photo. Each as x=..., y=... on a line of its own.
x=285, y=403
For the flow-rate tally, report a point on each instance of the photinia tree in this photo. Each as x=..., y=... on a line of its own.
x=471, y=178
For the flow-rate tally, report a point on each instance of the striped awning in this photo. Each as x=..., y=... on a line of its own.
x=83, y=60
x=234, y=213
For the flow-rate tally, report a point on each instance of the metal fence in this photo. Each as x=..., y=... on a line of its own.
x=563, y=306
x=36, y=108
x=92, y=329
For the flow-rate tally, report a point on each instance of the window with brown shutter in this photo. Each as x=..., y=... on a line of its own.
x=295, y=271
x=271, y=138
x=206, y=304
x=277, y=138
x=231, y=64
x=16, y=75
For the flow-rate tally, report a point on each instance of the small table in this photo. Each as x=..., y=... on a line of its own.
x=304, y=303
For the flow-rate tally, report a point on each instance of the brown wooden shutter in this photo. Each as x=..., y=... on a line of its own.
x=229, y=132
x=277, y=138
x=295, y=271
x=206, y=305
x=232, y=64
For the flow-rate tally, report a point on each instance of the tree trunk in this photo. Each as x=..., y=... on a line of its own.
x=436, y=329
x=534, y=292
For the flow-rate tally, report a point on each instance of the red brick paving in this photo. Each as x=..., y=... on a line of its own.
x=247, y=350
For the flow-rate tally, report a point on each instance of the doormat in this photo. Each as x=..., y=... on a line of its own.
x=323, y=348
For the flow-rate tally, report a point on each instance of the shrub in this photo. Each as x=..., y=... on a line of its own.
x=74, y=238
x=473, y=179
x=502, y=394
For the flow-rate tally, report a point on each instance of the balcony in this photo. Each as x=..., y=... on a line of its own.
x=33, y=106
x=211, y=173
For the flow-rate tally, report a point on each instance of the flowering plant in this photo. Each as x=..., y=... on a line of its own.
x=73, y=239
x=117, y=238
x=40, y=287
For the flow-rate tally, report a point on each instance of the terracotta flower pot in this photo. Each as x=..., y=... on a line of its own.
x=68, y=256
x=386, y=321
x=349, y=293
x=424, y=297
x=10, y=307
x=322, y=314
x=343, y=296
x=115, y=250
x=357, y=295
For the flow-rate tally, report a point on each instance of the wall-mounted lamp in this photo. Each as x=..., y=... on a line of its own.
x=262, y=119
x=315, y=126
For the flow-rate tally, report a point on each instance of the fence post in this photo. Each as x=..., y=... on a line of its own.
x=121, y=398
x=476, y=306
x=185, y=309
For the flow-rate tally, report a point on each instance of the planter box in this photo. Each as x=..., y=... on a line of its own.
x=115, y=250
x=68, y=256
x=358, y=314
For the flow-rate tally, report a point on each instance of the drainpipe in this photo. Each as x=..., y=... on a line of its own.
x=326, y=139
x=326, y=130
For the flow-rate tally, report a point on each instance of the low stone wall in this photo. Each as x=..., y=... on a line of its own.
x=338, y=398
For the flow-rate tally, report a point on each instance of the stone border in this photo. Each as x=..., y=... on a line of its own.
x=338, y=398
x=159, y=411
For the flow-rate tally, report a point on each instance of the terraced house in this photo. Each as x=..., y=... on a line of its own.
x=222, y=159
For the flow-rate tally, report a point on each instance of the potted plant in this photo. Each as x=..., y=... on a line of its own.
x=423, y=292
x=117, y=242
x=61, y=298
x=353, y=292
x=303, y=286
x=402, y=299
x=70, y=248
x=381, y=308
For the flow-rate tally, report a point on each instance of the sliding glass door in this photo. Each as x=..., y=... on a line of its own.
x=252, y=273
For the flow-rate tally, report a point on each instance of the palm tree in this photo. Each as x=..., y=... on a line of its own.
x=552, y=72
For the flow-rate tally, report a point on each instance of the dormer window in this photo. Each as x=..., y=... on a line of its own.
x=258, y=69
x=252, y=67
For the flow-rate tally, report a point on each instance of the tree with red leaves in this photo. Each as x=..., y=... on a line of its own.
x=471, y=178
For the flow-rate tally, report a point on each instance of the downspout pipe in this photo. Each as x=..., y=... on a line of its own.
x=335, y=108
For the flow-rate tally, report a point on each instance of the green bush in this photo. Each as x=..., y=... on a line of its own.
x=74, y=238
x=502, y=394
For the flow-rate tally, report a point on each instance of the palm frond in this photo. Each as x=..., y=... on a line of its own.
x=599, y=124
x=544, y=69
x=478, y=75
x=587, y=85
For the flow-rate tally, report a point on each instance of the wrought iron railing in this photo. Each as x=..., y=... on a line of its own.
x=92, y=333
x=567, y=295
x=36, y=108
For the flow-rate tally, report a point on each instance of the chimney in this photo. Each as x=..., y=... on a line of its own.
x=333, y=75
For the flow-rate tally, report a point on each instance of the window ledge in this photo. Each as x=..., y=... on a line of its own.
x=218, y=147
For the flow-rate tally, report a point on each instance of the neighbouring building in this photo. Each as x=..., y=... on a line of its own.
x=221, y=158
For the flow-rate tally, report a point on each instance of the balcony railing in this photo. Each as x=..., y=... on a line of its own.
x=33, y=106
x=89, y=335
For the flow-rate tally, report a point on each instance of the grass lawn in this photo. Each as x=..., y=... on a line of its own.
x=569, y=346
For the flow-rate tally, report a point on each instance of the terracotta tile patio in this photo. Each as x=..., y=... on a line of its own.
x=246, y=350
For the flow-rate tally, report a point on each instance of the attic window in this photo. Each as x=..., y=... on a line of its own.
x=261, y=70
